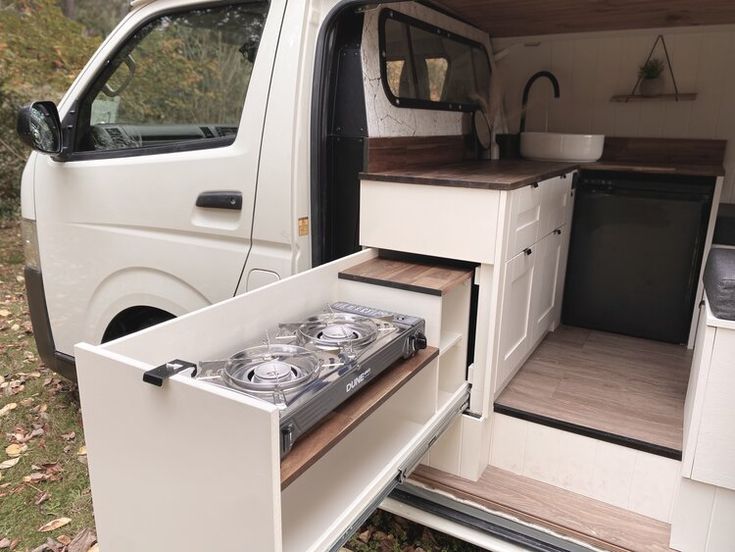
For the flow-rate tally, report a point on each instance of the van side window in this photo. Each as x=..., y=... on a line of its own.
x=427, y=67
x=180, y=78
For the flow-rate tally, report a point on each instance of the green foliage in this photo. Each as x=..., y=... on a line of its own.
x=41, y=51
x=652, y=69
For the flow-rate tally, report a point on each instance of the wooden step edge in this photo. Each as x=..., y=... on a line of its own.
x=441, y=481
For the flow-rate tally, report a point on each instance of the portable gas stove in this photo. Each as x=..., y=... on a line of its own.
x=308, y=368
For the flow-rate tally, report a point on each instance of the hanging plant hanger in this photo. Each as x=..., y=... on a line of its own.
x=676, y=96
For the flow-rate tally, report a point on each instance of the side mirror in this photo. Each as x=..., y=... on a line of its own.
x=39, y=127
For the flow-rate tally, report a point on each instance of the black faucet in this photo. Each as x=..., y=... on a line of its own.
x=555, y=83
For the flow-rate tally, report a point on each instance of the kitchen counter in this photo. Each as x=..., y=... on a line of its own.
x=655, y=168
x=506, y=174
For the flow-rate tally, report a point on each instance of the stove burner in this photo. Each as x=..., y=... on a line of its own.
x=267, y=368
x=329, y=331
x=274, y=371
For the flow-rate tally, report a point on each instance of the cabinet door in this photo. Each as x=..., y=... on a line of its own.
x=713, y=458
x=555, y=199
x=545, y=296
x=525, y=213
x=515, y=320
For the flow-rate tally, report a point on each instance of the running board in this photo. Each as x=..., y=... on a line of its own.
x=487, y=523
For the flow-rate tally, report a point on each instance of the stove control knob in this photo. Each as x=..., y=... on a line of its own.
x=419, y=342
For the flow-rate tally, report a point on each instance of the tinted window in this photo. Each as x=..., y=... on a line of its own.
x=424, y=66
x=181, y=77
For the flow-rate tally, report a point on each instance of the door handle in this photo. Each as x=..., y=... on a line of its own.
x=220, y=200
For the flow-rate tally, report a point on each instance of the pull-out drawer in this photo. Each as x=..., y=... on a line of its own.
x=440, y=221
x=191, y=466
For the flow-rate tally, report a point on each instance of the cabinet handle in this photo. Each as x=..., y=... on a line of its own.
x=557, y=231
x=528, y=251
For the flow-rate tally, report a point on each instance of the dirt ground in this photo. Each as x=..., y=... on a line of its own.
x=45, y=499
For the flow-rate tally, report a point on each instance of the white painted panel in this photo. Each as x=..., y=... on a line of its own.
x=525, y=217
x=442, y=221
x=475, y=445
x=714, y=460
x=691, y=517
x=696, y=390
x=445, y=452
x=508, y=443
x=167, y=464
x=722, y=524
x=630, y=479
x=544, y=294
x=515, y=323
x=653, y=486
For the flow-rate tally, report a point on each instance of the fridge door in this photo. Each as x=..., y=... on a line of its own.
x=635, y=256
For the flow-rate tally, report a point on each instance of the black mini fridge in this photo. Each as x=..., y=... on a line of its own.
x=635, y=253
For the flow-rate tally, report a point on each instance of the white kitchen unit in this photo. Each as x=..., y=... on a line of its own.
x=709, y=432
x=195, y=453
x=521, y=250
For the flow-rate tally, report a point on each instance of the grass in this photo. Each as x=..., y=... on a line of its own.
x=50, y=480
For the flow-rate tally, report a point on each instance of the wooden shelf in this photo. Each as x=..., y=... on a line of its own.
x=627, y=98
x=349, y=414
x=421, y=278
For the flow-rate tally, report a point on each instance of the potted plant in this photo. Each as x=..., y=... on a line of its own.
x=651, y=79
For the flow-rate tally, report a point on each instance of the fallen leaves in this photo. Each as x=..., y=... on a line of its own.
x=5, y=313
x=7, y=464
x=55, y=524
x=7, y=408
x=15, y=450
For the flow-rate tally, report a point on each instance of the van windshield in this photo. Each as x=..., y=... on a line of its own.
x=179, y=77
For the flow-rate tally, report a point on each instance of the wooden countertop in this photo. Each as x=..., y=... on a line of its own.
x=431, y=279
x=346, y=417
x=505, y=174
x=655, y=168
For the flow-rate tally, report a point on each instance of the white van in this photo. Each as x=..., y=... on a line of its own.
x=566, y=382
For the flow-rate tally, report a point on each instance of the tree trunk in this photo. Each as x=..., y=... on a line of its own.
x=69, y=7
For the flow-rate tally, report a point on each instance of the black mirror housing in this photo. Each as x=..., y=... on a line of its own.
x=39, y=127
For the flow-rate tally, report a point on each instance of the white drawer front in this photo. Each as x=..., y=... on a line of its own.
x=190, y=466
x=441, y=221
x=525, y=216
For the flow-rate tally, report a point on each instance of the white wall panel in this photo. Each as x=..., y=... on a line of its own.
x=591, y=67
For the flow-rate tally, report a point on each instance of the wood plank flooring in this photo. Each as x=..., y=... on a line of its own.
x=564, y=512
x=625, y=386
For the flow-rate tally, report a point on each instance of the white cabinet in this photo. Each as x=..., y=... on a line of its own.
x=515, y=318
x=525, y=217
x=709, y=431
x=545, y=294
x=190, y=466
x=555, y=202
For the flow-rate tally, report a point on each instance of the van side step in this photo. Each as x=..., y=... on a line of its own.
x=505, y=529
x=565, y=514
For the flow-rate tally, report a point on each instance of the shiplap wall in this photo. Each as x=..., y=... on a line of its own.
x=591, y=67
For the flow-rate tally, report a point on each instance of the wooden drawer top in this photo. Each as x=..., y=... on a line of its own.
x=432, y=279
x=505, y=174
x=346, y=417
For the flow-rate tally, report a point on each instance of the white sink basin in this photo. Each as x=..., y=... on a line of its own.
x=555, y=146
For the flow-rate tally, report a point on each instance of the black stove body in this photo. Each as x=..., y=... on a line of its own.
x=309, y=368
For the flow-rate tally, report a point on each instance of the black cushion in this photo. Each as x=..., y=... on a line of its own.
x=719, y=282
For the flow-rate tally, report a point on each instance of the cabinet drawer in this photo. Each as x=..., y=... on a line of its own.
x=202, y=455
x=525, y=217
x=441, y=221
